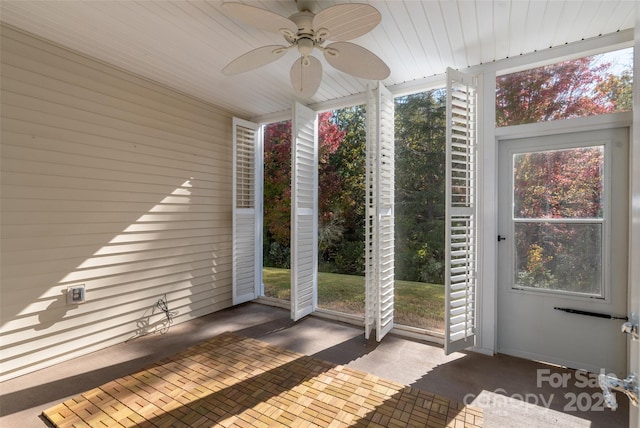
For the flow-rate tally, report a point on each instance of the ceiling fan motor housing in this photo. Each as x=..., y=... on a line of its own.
x=306, y=38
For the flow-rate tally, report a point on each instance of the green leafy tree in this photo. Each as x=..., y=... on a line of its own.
x=420, y=179
x=344, y=216
x=618, y=88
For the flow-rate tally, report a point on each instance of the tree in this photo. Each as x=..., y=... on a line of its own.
x=330, y=221
x=343, y=218
x=277, y=187
x=559, y=91
x=420, y=179
x=559, y=185
x=618, y=88
x=277, y=194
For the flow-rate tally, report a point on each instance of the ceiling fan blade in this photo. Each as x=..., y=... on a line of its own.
x=356, y=60
x=306, y=79
x=347, y=21
x=254, y=59
x=259, y=18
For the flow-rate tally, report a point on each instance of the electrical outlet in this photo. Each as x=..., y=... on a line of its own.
x=76, y=294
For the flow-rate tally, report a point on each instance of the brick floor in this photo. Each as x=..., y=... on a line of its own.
x=235, y=381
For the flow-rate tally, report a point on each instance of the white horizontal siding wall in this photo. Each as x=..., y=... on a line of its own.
x=110, y=181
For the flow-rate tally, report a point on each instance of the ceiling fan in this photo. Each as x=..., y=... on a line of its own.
x=307, y=31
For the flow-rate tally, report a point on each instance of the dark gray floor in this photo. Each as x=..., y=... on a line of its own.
x=513, y=392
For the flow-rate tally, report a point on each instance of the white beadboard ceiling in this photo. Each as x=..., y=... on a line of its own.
x=185, y=44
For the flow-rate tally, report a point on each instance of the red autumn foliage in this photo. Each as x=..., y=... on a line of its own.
x=559, y=91
x=277, y=175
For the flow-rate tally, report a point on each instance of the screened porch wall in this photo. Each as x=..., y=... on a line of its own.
x=110, y=181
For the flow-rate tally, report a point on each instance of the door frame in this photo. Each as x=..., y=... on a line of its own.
x=615, y=298
x=489, y=222
x=488, y=200
x=634, y=226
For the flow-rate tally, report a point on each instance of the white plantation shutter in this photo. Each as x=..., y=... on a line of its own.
x=304, y=212
x=247, y=211
x=379, y=240
x=461, y=223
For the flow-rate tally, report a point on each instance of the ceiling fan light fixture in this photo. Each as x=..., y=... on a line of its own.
x=305, y=46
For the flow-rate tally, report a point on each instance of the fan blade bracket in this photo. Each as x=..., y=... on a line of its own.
x=331, y=52
x=322, y=34
x=281, y=49
x=288, y=34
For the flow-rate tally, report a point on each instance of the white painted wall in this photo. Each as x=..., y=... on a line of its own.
x=110, y=181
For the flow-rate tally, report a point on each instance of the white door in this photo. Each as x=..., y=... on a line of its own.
x=562, y=266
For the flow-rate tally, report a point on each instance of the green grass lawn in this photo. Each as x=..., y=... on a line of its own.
x=417, y=304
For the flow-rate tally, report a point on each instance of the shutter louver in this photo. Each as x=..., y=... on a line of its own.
x=304, y=212
x=247, y=212
x=245, y=167
x=461, y=222
x=379, y=239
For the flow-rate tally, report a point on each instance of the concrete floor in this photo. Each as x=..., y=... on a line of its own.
x=512, y=391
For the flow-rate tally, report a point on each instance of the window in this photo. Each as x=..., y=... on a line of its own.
x=558, y=214
x=585, y=86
